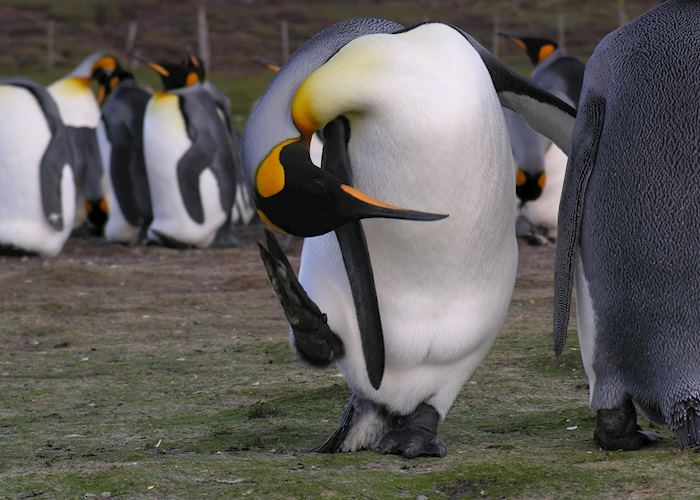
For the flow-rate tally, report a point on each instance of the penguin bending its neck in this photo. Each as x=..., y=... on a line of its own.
x=628, y=228
x=408, y=302
x=80, y=112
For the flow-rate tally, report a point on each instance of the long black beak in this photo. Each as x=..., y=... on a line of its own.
x=312, y=201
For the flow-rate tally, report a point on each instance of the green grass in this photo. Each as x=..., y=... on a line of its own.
x=180, y=383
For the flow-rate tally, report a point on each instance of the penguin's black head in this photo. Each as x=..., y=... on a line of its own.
x=529, y=186
x=108, y=82
x=195, y=64
x=177, y=76
x=537, y=49
x=97, y=215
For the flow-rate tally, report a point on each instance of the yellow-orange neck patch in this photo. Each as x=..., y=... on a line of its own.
x=270, y=177
x=519, y=178
x=545, y=51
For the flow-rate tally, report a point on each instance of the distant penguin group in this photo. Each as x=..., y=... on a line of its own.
x=66, y=162
x=406, y=309
x=540, y=164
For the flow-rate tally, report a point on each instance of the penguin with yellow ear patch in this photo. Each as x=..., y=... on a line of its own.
x=408, y=301
x=541, y=164
x=80, y=112
x=189, y=163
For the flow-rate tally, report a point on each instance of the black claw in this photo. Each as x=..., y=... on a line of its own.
x=415, y=435
x=314, y=340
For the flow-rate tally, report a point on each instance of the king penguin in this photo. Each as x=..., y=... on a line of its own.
x=120, y=139
x=541, y=164
x=243, y=212
x=80, y=112
x=189, y=163
x=628, y=228
x=395, y=303
x=37, y=192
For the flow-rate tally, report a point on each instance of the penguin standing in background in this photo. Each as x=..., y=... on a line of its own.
x=120, y=139
x=629, y=227
x=394, y=303
x=541, y=164
x=243, y=206
x=37, y=192
x=189, y=163
x=80, y=112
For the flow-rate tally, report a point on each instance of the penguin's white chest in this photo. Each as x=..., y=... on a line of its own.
x=165, y=141
x=24, y=136
x=443, y=287
x=76, y=102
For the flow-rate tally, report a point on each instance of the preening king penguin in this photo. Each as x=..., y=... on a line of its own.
x=629, y=226
x=540, y=164
x=37, y=191
x=120, y=139
x=406, y=309
x=80, y=113
x=189, y=163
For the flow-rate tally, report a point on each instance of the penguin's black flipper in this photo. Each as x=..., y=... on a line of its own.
x=578, y=171
x=314, y=340
x=335, y=441
x=353, y=247
x=189, y=168
x=57, y=155
x=88, y=162
x=121, y=159
x=547, y=114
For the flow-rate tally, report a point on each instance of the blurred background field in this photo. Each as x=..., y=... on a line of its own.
x=241, y=30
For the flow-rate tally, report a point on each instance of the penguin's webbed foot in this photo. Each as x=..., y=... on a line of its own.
x=225, y=237
x=314, y=340
x=617, y=429
x=415, y=435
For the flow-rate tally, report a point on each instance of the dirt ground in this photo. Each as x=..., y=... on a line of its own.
x=158, y=373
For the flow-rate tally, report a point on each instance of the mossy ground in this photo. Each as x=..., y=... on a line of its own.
x=147, y=372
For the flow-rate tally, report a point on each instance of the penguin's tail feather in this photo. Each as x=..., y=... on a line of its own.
x=362, y=426
x=688, y=433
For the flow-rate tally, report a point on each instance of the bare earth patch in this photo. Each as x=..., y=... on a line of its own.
x=148, y=372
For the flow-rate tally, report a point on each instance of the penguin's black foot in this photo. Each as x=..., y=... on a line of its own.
x=415, y=435
x=314, y=340
x=225, y=238
x=688, y=434
x=617, y=429
x=162, y=239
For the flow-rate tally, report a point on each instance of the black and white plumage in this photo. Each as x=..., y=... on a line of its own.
x=397, y=123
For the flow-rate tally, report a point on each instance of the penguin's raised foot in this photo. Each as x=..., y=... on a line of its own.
x=313, y=339
x=7, y=250
x=415, y=435
x=617, y=429
x=225, y=238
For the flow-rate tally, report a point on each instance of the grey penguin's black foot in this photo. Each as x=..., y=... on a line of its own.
x=617, y=429
x=225, y=237
x=313, y=339
x=158, y=238
x=688, y=434
x=415, y=435
x=531, y=234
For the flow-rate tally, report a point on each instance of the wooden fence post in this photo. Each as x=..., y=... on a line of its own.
x=50, y=51
x=622, y=12
x=561, y=31
x=284, y=33
x=203, y=36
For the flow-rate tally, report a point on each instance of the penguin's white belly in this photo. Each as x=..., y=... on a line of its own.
x=23, y=142
x=118, y=229
x=76, y=102
x=544, y=211
x=165, y=141
x=585, y=317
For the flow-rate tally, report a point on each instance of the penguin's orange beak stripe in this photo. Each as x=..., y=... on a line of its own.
x=159, y=69
x=356, y=193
